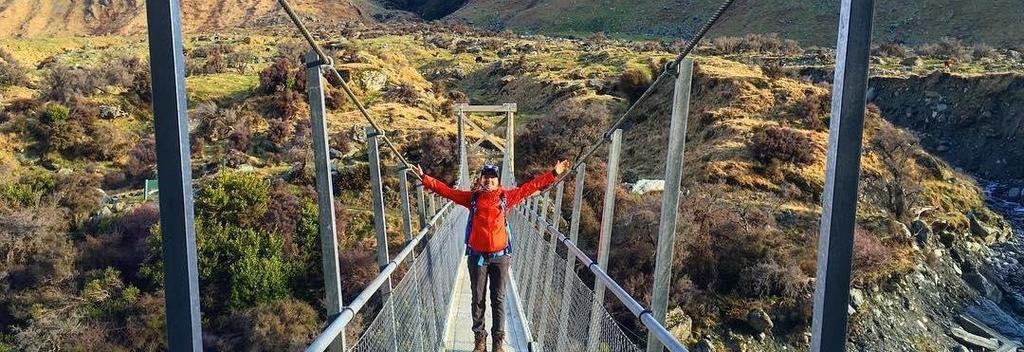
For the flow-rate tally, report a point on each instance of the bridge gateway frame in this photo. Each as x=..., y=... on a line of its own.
x=176, y=203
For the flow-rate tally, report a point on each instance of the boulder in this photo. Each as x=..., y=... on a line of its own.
x=905, y=231
x=1013, y=193
x=911, y=61
x=704, y=345
x=111, y=112
x=679, y=323
x=647, y=186
x=979, y=230
x=759, y=320
x=921, y=231
x=373, y=81
x=856, y=297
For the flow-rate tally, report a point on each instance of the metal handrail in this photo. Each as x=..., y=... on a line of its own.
x=337, y=327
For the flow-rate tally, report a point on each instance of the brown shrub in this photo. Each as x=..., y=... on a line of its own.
x=812, y=110
x=354, y=178
x=214, y=64
x=124, y=248
x=65, y=83
x=39, y=258
x=770, y=278
x=758, y=43
x=140, y=90
x=892, y=50
x=782, y=144
x=79, y=192
x=563, y=134
x=437, y=154
x=985, y=51
x=358, y=267
x=142, y=159
x=403, y=93
x=947, y=47
x=109, y=142
x=634, y=80
x=11, y=72
x=276, y=77
x=869, y=253
x=283, y=214
x=723, y=241
x=282, y=325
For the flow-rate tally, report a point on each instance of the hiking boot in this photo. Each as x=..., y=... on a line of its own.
x=480, y=343
x=499, y=343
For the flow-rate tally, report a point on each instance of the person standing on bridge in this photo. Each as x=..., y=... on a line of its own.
x=488, y=245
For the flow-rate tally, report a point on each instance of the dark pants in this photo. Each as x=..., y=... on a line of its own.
x=496, y=271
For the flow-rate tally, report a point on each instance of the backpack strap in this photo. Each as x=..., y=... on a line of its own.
x=472, y=212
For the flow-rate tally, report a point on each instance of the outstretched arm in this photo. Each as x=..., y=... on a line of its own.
x=462, y=198
x=515, y=196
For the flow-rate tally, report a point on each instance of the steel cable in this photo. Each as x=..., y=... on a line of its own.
x=327, y=61
x=669, y=71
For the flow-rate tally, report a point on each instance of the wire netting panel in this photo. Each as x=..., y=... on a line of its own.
x=558, y=308
x=415, y=315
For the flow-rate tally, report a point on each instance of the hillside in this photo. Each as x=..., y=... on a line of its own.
x=810, y=22
x=45, y=18
x=75, y=149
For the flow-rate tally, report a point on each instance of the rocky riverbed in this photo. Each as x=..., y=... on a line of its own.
x=1006, y=312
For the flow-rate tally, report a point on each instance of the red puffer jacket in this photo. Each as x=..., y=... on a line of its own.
x=488, y=234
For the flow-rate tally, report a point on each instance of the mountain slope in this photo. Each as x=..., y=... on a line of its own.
x=47, y=18
x=811, y=22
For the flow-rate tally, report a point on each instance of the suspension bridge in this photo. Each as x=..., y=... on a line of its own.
x=549, y=307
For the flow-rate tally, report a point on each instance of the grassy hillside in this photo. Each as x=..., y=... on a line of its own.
x=810, y=22
x=47, y=18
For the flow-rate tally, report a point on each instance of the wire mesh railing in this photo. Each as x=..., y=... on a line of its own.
x=415, y=316
x=557, y=307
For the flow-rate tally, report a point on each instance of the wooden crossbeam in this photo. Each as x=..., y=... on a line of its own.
x=498, y=142
x=510, y=107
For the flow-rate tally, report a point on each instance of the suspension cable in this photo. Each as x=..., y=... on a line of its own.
x=669, y=71
x=327, y=61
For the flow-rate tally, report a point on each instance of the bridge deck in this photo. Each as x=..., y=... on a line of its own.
x=460, y=322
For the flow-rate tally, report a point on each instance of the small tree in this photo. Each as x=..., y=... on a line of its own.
x=895, y=150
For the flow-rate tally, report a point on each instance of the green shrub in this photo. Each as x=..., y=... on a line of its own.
x=237, y=198
x=29, y=189
x=260, y=273
x=55, y=113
